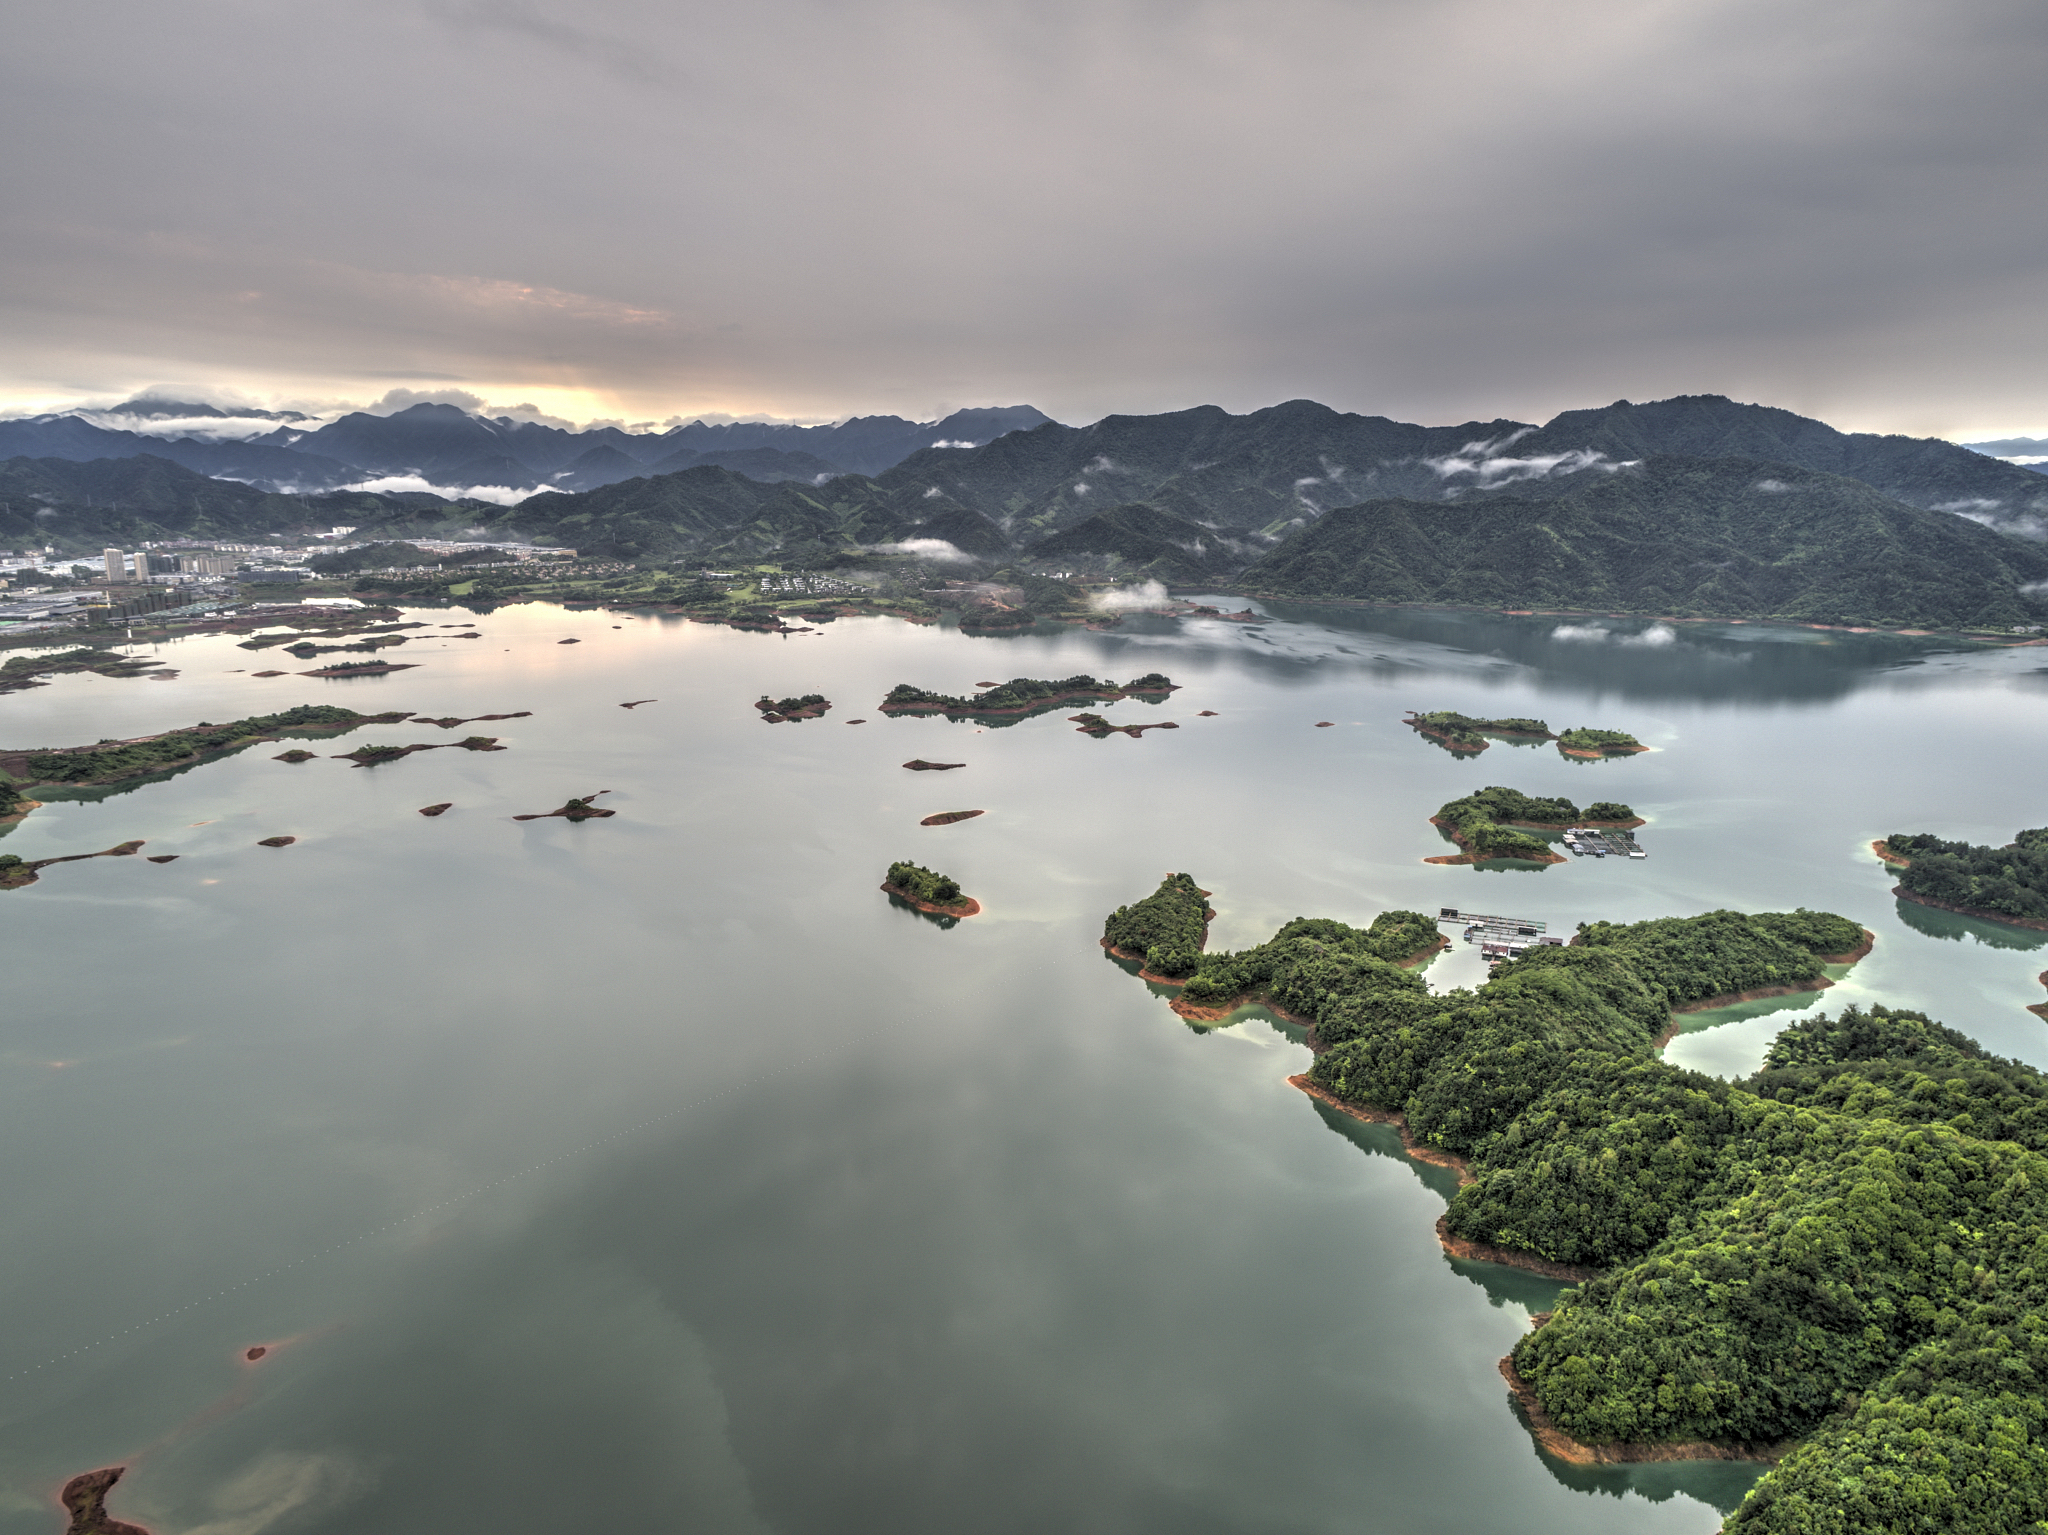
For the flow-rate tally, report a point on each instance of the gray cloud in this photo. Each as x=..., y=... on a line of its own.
x=1443, y=212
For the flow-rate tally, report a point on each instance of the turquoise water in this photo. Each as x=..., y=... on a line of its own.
x=659, y=1169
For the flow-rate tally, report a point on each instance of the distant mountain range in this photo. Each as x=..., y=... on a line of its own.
x=1675, y=535
x=1695, y=504
x=2032, y=452
x=448, y=447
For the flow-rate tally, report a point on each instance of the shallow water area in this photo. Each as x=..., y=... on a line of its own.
x=663, y=1159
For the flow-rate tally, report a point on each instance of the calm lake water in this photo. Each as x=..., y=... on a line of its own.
x=659, y=1170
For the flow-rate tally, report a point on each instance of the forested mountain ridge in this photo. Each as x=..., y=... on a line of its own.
x=1261, y=470
x=1920, y=471
x=1672, y=535
x=146, y=497
x=1148, y=541
x=449, y=446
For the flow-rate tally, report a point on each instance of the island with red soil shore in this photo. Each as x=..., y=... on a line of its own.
x=929, y=891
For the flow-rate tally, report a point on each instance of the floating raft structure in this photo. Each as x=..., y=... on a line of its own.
x=1580, y=841
x=1500, y=937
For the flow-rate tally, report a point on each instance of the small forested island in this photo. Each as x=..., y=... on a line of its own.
x=927, y=890
x=2000, y=884
x=809, y=707
x=1482, y=824
x=1836, y=1264
x=112, y=761
x=1588, y=743
x=1024, y=695
x=1464, y=735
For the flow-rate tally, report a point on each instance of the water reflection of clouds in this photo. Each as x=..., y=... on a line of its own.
x=1635, y=660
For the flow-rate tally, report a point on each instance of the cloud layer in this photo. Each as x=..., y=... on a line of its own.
x=1454, y=211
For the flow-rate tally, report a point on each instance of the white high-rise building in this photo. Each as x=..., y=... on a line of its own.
x=117, y=566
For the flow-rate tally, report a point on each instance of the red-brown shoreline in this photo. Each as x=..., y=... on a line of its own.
x=1556, y=1442
x=966, y=906
x=1465, y=854
x=1596, y=753
x=1436, y=1156
x=1441, y=735
x=1195, y=1013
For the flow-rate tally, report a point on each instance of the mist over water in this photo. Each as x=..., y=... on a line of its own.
x=660, y=1164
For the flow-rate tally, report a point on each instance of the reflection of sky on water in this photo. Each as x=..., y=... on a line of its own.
x=976, y=1185
x=1629, y=659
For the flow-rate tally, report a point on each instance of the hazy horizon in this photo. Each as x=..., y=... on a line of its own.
x=636, y=212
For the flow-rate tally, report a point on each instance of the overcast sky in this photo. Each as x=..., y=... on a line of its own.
x=1437, y=210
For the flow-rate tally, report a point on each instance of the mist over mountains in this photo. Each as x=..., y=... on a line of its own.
x=1692, y=504
x=449, y=449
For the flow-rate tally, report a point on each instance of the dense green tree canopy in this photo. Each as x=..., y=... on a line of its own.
x=1849, y=1249
x=2011, y=880
x=924, y=884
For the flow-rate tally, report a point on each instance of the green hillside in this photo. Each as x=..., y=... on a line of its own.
x=1141, y=538
x=1678, y=536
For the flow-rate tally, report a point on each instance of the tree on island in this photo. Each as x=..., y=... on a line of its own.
x=922, y=884
x=1480, y=822
x=2010, y=881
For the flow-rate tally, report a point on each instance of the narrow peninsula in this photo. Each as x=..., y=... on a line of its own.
x=108, y=762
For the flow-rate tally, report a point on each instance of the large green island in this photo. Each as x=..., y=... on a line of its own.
x=1483, y=824
x=1838, y=1265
